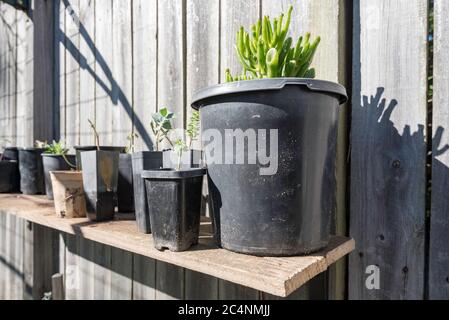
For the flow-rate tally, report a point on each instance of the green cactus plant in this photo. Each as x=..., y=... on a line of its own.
x=268, y=52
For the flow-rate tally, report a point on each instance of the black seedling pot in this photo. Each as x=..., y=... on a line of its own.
x=146, y=160
x=125, y=191
x=189, y=159
x=11, y=153
x=9, y=176
x=278, y=201
x=79, y=149
x=53, y=162
x=100, y=175
x=31, y=171
x=174, y=201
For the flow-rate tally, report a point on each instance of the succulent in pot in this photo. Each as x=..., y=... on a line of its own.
x=100, y=175
x=269, y=137
x=55, y=158
x=174, y=202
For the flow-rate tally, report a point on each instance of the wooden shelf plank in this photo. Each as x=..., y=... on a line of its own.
x=277, y=276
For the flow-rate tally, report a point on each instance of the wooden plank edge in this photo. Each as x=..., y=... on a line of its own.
x=258, y=282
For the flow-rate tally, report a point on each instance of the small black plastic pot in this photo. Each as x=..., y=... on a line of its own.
x=9, y=176
x=53, y=162
x=100, y=175
x=145, y=160
x=79, y=149
x=11, y=153
x=282, y=206
x=125, y=191
x=174, y=201
x=31, y=171
x=189, y=159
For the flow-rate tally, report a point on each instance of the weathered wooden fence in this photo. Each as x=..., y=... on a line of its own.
x=116, y=62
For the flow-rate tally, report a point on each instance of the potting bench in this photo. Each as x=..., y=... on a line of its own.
x=276, y=276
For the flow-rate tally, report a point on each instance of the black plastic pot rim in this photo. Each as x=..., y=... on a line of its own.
x=32, y=149
x=56, y=155
x=268, y=84
x=173, y=174
x=12, y=148
x=106, y=148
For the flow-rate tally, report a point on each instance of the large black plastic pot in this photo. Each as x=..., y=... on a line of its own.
x=11, y=153
x=283, y=206
x=189, y=159
x=79, y=149
x=100, y=175
x=9, y=176
x=53, y=162
x=31, y=171
x=145, y=160
x=174, y=201
x=125, y=191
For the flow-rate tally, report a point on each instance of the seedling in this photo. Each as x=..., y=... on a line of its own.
x=96, y=136
x=58, y=148
x=161, y=125
x=193, y=128
x=180, y=147
x=131, y=138
x=268, y=52
x=40, y=144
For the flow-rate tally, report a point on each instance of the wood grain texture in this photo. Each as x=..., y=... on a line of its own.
x=87, y=70
x=85, y=269
x=439, y=227
x=171, y=59
x=144, y=278
x=388, y=148
x=103, y=71
x=234, y=13
x=72, y=66
x=122, y=65
x=60, y=69
x=121, y=274
x=278, y=276
x=144, y=70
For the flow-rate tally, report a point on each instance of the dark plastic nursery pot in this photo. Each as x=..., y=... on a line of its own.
x=11, y=153
x=9, y=176
x=280, y=204
x=145, y=160
x=189, y=159
x=174, y=201
x=125, y=191
x=53, y=162
x=31, y=171
x=79, y=149
x=100, y=175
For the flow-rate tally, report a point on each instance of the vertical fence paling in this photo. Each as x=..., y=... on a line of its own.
x=388, y=148
x=439, y=226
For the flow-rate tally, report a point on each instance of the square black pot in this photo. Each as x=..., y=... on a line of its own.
x=80, y=149
x=100, y=175
x=174, y=202
x=31, y=171
x=125, y=191
x=9, y=177
x=141, y=161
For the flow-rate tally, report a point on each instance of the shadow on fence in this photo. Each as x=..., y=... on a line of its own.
x=112, y=89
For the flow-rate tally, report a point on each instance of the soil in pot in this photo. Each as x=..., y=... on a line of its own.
x=31, y=171
x=9, y=176
x=79, y=149
x=145, y=160
x=189, y=159
x=275, y=197
x=125, y=191
x=174, y=202
x=53, y=162
x=11, y=153
x=100, y=175
x=68, y=192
